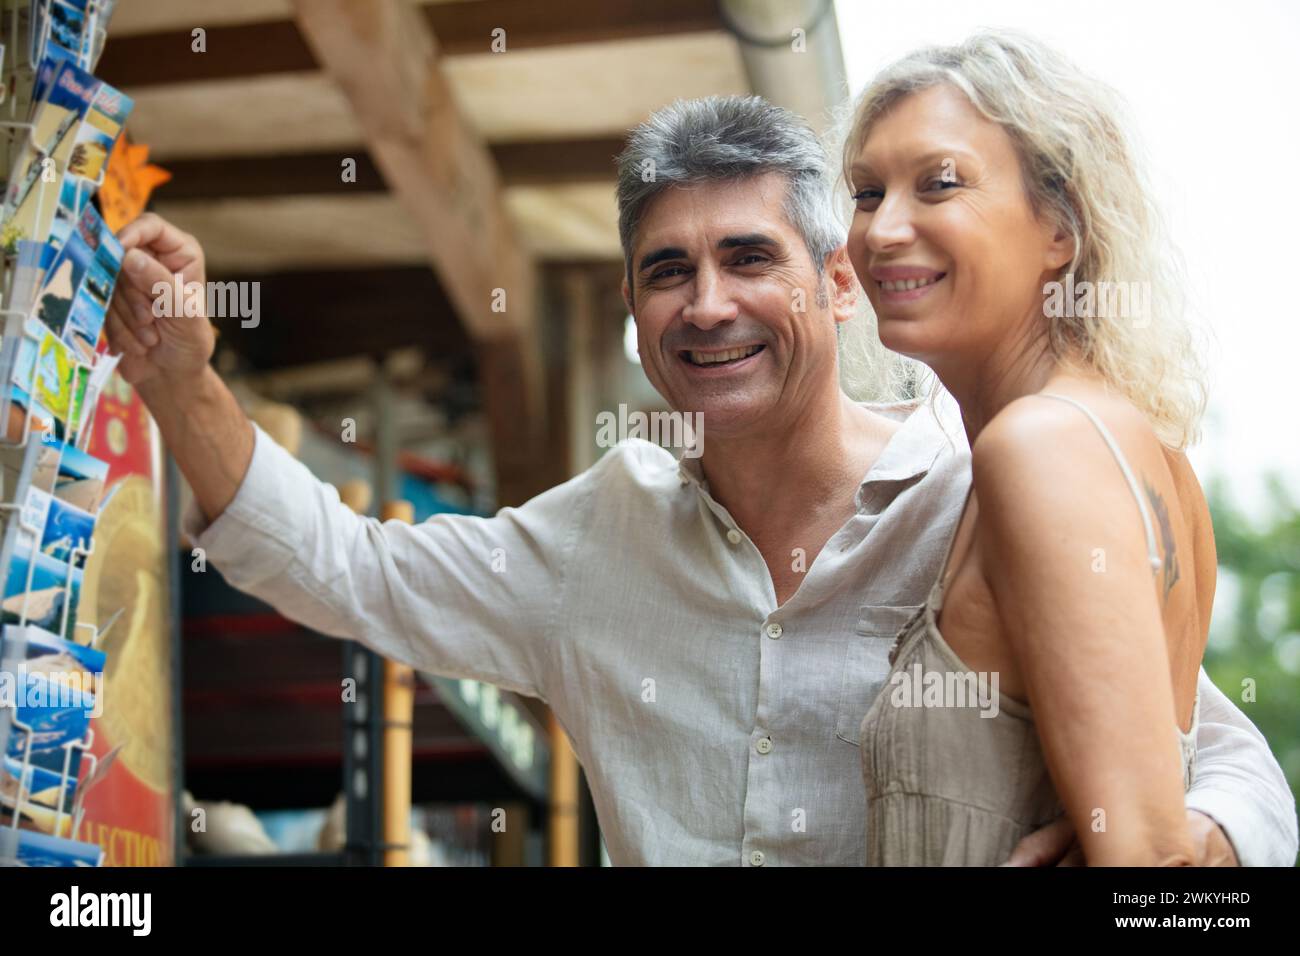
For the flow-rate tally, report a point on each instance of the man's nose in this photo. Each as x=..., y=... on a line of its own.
x=713, y=302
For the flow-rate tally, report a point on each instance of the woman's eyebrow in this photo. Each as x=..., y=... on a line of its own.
x=862, y=170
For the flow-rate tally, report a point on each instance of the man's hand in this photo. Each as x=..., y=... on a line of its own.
x=165, y=357
x=170, y=346
x=1055, y=844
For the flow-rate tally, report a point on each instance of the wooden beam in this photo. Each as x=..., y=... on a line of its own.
x=384, y=58
x=466, y=26
x=277, y=233
x=547, y=163
x=247, y=177
x=463, y=27
x=245, y=49
x=319, y=173
x=604, y=90
x=257, y=116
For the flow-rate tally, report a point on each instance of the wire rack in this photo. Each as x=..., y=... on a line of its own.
x=18, y=75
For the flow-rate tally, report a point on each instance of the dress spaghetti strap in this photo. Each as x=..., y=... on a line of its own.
x=1153, y=552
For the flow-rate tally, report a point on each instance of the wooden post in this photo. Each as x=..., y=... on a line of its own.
x=399, y=712
x=563, y=824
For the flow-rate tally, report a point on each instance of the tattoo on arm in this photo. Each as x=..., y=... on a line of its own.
x=1169, y=568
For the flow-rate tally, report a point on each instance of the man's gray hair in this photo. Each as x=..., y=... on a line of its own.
x=720, y=138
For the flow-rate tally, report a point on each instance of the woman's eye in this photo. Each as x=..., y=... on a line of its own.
x=942, y=184
x=868, y=199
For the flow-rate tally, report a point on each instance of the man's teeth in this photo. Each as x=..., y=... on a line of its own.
x=713, y=358
x=902, y=285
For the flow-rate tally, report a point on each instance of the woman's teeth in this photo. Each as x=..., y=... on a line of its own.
x=713, y=358
x=903, y=285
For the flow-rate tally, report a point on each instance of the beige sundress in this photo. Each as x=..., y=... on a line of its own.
x=945, y=785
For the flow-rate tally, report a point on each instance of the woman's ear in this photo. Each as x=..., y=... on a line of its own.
x=1060, y=248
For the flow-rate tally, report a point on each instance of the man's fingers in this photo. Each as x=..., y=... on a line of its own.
x=151, y=229
x=144, y=271
x=121, y=340
x=1074, y=857
x=1211, y=845
x=153, y=234
x=137, y=312
x=1044, y=847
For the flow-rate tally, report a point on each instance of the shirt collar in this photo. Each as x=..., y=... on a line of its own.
x=929, y=427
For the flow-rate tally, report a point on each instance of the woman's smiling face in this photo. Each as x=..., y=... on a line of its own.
x=944, y=239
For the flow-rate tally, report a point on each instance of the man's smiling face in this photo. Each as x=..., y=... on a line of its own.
x=733, y=318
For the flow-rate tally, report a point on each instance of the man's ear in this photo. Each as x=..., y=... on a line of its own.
x=627, y=297
x=843, y=281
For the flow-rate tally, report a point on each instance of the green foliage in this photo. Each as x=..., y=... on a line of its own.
x=1255, y=631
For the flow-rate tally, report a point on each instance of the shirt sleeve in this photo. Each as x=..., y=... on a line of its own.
x=456, y=595
x=1240, y=785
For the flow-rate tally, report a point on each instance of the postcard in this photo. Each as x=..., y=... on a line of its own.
x=41, y=590
x=55, y=686
x=44, y=373
x=63, y=280
x=99, y=132
x=33, y=191
x=68, y=531
x=80, y=478
x=40, y=849
x=90, y=305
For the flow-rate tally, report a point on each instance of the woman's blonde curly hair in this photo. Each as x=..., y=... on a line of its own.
x=1082, y=171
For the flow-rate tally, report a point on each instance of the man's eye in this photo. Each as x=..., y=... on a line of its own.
x=750, y=259
x=666, y=273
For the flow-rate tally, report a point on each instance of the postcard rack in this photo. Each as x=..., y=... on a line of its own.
x=47, y=749
x=18, y=78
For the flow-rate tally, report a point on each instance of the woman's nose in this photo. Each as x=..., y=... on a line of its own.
x=891, y=224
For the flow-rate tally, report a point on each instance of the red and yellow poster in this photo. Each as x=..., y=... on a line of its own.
x=129, y=811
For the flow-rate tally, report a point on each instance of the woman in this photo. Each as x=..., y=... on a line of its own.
x=1005, y=239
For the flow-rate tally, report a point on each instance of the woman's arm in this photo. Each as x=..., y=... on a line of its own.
x=1063, y=548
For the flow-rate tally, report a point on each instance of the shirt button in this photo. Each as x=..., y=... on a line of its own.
x=733, y=536
x=774, y=631
x=764, y=745
x=756, y=858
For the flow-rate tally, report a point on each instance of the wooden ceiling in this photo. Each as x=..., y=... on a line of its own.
x=255, y=131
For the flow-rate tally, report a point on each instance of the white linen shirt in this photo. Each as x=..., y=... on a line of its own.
x=714, y=727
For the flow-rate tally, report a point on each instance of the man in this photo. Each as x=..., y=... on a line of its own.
x=708, y=631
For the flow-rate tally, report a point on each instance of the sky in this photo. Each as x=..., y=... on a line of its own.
x=1213, y=91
